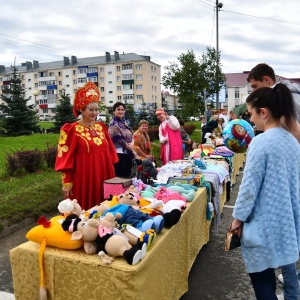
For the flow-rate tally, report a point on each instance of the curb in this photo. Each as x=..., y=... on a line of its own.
x=9, y=230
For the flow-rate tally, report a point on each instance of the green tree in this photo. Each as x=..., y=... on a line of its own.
x=21, y=119
x=64, y=112
x=190, y=78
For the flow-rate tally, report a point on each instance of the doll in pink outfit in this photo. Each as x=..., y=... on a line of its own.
x=169, y=137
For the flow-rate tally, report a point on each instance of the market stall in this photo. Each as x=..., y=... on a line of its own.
x=162, y=274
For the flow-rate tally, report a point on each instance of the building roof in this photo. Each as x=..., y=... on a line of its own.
x=240, y=79
x=87, y=61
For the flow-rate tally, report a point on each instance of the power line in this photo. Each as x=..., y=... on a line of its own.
x=203, y=4
x=270, y=19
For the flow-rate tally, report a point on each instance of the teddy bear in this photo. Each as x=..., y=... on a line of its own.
x=125, y=204
x=108, y=241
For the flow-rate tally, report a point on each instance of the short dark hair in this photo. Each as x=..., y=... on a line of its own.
x=117, y=104
x=261, y=70
x=181, y=122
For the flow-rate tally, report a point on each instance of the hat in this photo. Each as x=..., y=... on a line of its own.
x=160, y=111
x=219, y=142
x=89, y=93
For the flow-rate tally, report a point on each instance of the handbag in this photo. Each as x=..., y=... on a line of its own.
x=232, y=239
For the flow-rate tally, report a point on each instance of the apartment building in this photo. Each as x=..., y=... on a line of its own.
x=128, y=77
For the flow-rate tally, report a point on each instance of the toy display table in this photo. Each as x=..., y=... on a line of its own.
x=72, y=274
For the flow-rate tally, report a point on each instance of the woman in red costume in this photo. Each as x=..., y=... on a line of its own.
x=169, y=137
x=86, y=154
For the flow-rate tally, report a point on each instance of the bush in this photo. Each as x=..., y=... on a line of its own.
x=50, y=155
x=189, y=128
x=153, y=133
x=12, y=165
x=30, y=160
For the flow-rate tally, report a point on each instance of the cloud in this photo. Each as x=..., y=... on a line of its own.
x=249, y=31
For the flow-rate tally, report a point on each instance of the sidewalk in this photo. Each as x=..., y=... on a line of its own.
x=215, y=275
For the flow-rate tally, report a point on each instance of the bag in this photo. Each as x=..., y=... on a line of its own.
x=115, y=186
x=232, y=240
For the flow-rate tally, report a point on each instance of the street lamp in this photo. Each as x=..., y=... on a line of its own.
x=218, y=7
x=35, y=93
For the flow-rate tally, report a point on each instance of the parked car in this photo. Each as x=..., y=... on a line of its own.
x=106, y=118
x=45, y=117
x=194, y=118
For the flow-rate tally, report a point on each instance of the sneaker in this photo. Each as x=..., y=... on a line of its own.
x=280, y=278
x=280, y=297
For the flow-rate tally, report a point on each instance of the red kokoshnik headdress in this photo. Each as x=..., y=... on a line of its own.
x=89, y=93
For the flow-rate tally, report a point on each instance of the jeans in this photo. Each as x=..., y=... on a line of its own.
x=264, y=284
x=290, y=282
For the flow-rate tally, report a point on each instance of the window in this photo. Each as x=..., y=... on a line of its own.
x=59, y=73
x=139, y=97
x=139, y=86
x=101, y=79
x=138, y=66
x=29, y=88
x=102, y=99
x=67, y=76
x=127, y=97
x=236, y=93
x=92, y=70
x=119, y=88
x=60, y=83
x=102, y=89
x=127, y=67
x=139, y=77
x=118, y=68
x=151, y=68
x=109, y=73
x=36, y=85
x=155, y=78
x=29, y=80
x=23, y=86
x=81, y=80
x=127, y=76
x=110, y=82
x=155, y=69
x=151, y=78
x=118, y=78
x=110, y=92
x=22, y=77
x=82, y=70
x=101, y=70
x=127, y=87
x=52, y=74
x=74, y=72
x=74, y=81
x=92, y=79
x=119, y=98
x=111, y=101
x=35, y=75
x=67, y=85
x=155, y=88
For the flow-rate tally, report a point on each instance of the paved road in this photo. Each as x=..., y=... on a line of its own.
x=216, y=274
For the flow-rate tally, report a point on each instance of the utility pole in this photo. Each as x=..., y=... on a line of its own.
x=218, y=7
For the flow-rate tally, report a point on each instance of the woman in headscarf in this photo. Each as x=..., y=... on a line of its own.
x=169, y=137
x=142, y=145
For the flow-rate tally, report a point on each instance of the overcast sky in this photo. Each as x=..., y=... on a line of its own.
x=250, y=31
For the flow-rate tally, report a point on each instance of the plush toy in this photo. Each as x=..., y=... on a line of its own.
x=171, y=210
x=107, y=239
x=70, y=207
x=166, y=195
x=147, y=171
x=126, y=205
